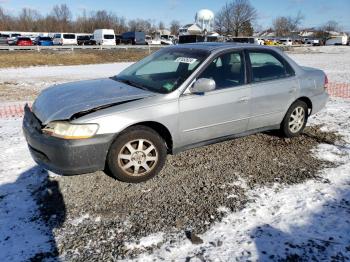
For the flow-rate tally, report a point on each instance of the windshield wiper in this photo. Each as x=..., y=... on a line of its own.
x=131, y=83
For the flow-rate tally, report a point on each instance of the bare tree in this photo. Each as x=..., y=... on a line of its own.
x=324, y=31
x=174, y=27
x=62, y=14
x=247, y=29
x=141, y=25
x=219, y=23
x=161, y=25
x=28, y=20
x=6, y=21
x=331, y=26
x=234, y=16
x=284, y=25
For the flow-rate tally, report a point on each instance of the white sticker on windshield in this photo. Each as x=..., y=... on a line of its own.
x=187, y=60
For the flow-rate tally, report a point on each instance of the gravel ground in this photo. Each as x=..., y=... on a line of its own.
x=94, y=217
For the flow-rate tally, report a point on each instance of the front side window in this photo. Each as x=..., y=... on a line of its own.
x=266, y=66
x=226, y=70
x=163, y=71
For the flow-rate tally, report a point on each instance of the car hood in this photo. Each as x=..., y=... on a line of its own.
x=61, y=102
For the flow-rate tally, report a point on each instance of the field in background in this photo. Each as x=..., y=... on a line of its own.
x=78, y=57
x=24, y=79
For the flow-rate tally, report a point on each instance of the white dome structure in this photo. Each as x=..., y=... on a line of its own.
x=205, y=19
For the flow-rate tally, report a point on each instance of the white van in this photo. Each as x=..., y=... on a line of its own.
x=337, y=40
x=104, y=37
x=64, y=39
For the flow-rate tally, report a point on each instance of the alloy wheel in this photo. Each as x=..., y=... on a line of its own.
x=138, y=157
x=297, y=119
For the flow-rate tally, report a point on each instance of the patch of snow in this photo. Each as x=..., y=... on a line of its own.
x=148, y=241
x=80, y=220
x=335, y=61
x=22, y=233
x=41, y=77
x=223, y=209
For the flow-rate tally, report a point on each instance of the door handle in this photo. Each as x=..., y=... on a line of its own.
x=243, y=99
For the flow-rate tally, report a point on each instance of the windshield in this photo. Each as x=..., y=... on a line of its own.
x=163, y=71
x=68, y=36
x=108, y=36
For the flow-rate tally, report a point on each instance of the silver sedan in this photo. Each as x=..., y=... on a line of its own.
x=178, y=98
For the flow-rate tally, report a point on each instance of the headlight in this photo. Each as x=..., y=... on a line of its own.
x=67, y=130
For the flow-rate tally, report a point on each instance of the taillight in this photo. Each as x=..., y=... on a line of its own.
x=325, y=81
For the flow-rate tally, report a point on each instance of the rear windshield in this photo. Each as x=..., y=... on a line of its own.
x=108, y=36
x=69, y=36
x=24, y=39
x=4, y=35
x=57, y=36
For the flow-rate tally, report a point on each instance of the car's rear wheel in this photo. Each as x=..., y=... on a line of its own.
x=138, y=154
x=295, y=120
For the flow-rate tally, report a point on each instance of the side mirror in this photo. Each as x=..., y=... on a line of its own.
x=203, y=85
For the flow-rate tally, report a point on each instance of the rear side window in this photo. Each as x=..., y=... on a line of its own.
x=69, y=36
x=108, y=36
x=267, y=66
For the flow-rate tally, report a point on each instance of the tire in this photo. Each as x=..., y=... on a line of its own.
x=128, y=162
x=295, y=119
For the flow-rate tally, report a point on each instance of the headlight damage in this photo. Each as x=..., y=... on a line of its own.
x=67, y=130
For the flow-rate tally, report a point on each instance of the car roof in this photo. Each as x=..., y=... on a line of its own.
x=215, y=46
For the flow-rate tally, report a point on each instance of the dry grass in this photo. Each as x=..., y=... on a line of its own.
x=78, y=57
x=10, y=92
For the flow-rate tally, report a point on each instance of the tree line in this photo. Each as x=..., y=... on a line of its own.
x=236, y=18
x=60, y=19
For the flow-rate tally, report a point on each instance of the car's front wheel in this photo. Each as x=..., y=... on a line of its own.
x=138, y=154
x=295, y=119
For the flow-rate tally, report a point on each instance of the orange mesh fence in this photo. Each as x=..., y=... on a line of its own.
x=339, y=90
x=12, y=110
x=17, y=110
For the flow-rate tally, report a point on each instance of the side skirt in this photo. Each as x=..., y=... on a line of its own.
x=224, y=138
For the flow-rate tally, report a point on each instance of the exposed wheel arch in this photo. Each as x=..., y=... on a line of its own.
x=307, y=101
x=162, y=130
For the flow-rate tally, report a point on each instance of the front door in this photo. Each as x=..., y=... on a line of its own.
x=218, y=113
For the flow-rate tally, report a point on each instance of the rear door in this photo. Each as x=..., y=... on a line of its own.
x=274, y=87
x=221, y=112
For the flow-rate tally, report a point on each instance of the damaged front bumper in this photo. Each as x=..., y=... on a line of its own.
x=65, y=156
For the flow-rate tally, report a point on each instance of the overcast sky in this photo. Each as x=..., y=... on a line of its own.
x=316, y=12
